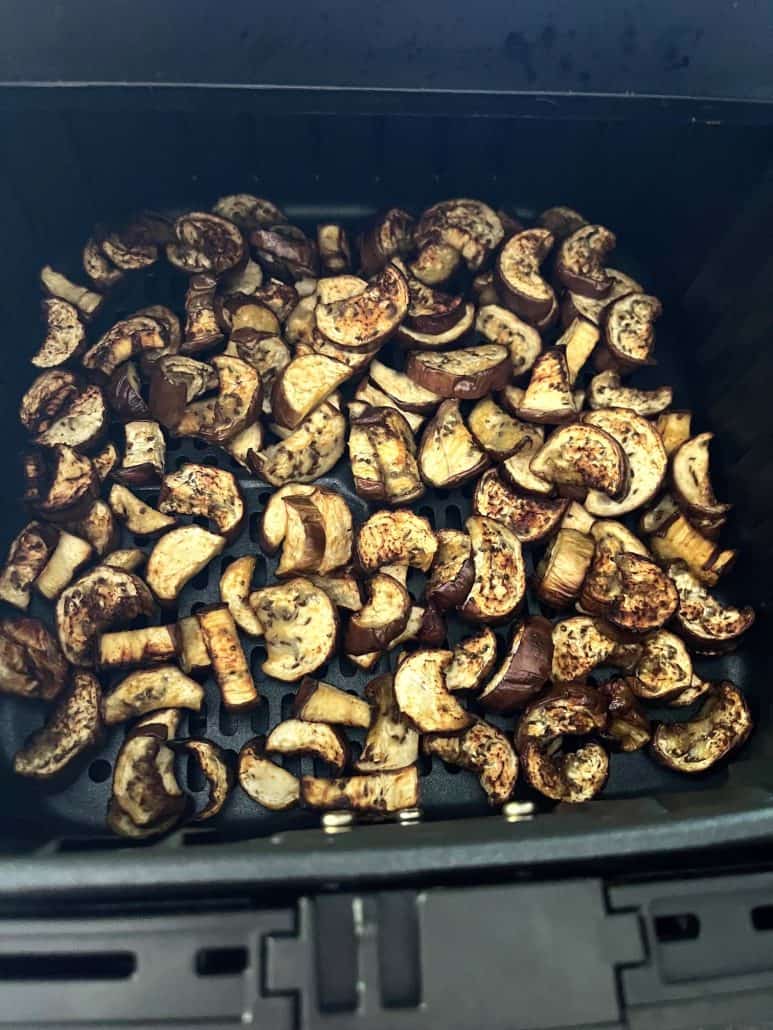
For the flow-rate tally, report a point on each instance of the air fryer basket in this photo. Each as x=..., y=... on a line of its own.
x=692, y=230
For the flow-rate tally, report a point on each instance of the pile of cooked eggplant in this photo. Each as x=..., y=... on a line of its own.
x=458, y=348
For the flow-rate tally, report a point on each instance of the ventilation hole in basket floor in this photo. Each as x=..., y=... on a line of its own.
x=468, y=489
x=99, y=770
x=441, y=495
x=194, y=777
x=227, y=721
x=197, y=722
x=197, y=606
x=226, y=560
x=416, y=581
x=683, y=926
x=261, y=572
x=180, y=460
x=254, y=527
x=200, y=520
x=139, y=541
x=174, y=444
x=355, y=750
x=428, y=514
x=264, y=497
x=347, y=667
x=292, y=763
x=452, y=769
x=287, y=706
x=105, y=965
x=259, y=717
x=200, y=445
x=201, y=580
x=257, y=657
x=452, y=517
x=762, y=917
x=425, y=765
x=221, y=961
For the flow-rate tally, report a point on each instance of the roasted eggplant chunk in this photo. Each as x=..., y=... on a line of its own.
x=235, y=589
x=309, y=452
x=65, y=334
x=722, y=725
x=453, y=570
x=177, y=557
x=390, y=439
x=205, y=243
x=499, y=584
x=581, y=257
x=664, y=670
x=229, y=663
x=316, y=701
x=422, y=695
x=691, y=483
x=124, y=393
x=674, y=429
x=583, y=456
x=396, y=537
x=529, y=518
x=708, y=625
x=389, y=235
x=144, y=455
x=285, y=252
x=392, y=742
x=646, y=458
x=560, y=574
x=74, y=726
x=145, y=788
x=304, y=538
x=494, y=429
x=248, y=211
x=267, y=783
x=485, y=751
x=467, y=226
x=147, y=690
x=383, y=617
x=56, y=285
x=406, y=394
x=296, y=737
x=580, y=644
x=31, y=663
x=203, y=490
x=469, y=373
x=302, y=385
x=629, y=331
x=473, y=659
x=237, y=404
x=380, y=792
x=678, y=540
x=139, y=517
x=368, y=318
x=498, y=325
x=448, y=453
x=628, y=727
x=127, y=339
x=62, y=484
x=548, y=397
x=27, y=556
x=100, y=599
x=151, y=645
x=218, y=771
x=561, y=221
x=606, y=391
x=518, y=275
x=300, y=625
x=525, y=669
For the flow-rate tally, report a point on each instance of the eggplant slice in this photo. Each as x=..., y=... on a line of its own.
x=722, y=725
x=422, y=695
x=300, y=624
x=644, y=452
x=448, y=453
x=31, y=663
x=529, y=518
x=74, y=727
x=265, y=782
x=525, y=669
x=499, y=584
x=379, y=793
x=485, y=751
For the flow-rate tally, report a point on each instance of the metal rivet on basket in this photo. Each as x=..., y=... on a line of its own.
x=518, y=811
x=409, y=816
x=337, y=822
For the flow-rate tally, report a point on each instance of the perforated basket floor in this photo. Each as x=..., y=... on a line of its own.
x=78, y=811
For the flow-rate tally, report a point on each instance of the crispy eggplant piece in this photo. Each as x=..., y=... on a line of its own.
x=497, y=432
x=468, y=226
x=453, y=570
x=65, y=334
x=217, y=770
x=61, y=484
x=273, y=524
x=194, y=657
x=560, y=574
x=236, y=405
x=372, y=397
x=370, y=317
x=47, y=398
x=205, y=244
x=422, y=696
x=176, y=381
x=628, y=727
x=335, y=253
x=58, y=286
x=304, y=539
x=646, y=456
x=517, y=468
x=389, y=235
x=98, y=267
x=144, y=784
x=206, y=491
x=268, y=353
x=229, y=663
x=303, y=385
x=691, y=483
x=697, y=689
x=396, y=537
x=407, y=394
x=483, y=750
x=432, y=311
x=392, y=441
x=31, y=663
x=436, y=339
x=68, y=558
x=264, y=781
x=248, y=441
x=73, y=727
x=647, y=597
x=580, y=644
x=580, y=261
x=708, y=625
x=576, y=517
x=316, y=701
x=380, y=792
x=578, y=342
x=525, y=669
x=127, y=559
x=664, y=669
x=448, y=453
x=139, y=517
x=674, y=429
x=239, y=312
x=722, y=725
x=363, y=459
x=248, y=211
x=308, y=453
x=484, y=289
x=392, y=743
x=499, y=585
x=300, y=327
x=144, y=457
x=296, y=737
x=203, y=329
x=473, y=659
x=341, y=586
x=604, y=582
x=170, y=324
x=425, y=625
x=285, y=252
x=435, y=263
x=584, y=456
x=606, y=391
x=300, y=624
x=498, y=325
x=467, y=374
x=151, y=645
x=677, y=540
x=28, y=555
x=629, y=332
x=561, y=221
x=529, y=518
x=548, y=397
x=98, y=527
x=127, y=339
x=81, y=424
x=517, y=275
x=129, y=248
x=235, y=589
x=177, y=557
x=147, y=690
x=382, y=618
x=124, y=393
x=365, y=661
x=279, y=297
x=593, y=309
